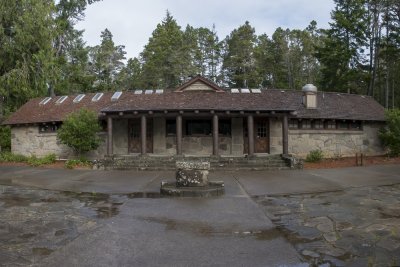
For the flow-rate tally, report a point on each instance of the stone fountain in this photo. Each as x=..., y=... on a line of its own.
x=192, y=181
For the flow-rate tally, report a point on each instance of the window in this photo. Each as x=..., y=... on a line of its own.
x=343, y=125
x=170, y=127
x=305, y=124
x=116, y=96
x=355, y=125
x=78, y=98
x=330, y=125
x=318, y=124
x=45, y=101
x=224, y=127
x=61, y=99
x=49, y=128
x=97, y=97
x=198, y=127
x=293, y=124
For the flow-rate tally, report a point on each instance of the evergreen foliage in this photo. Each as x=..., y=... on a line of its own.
x=79, y=131
x=43, y=53
x=391, y=134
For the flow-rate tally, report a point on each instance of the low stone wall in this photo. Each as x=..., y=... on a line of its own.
x=198, y=145
x=336, y=143
x=27, y=140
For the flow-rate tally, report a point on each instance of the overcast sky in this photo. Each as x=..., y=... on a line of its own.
x=132, y=22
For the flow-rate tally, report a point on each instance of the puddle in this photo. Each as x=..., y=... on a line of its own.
x=42, y=251
x=144, y=195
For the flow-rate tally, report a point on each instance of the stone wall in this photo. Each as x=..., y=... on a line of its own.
x=275, y=136
x=336, y=143
x=199, y=145
x=120, y=136
x=27, y=140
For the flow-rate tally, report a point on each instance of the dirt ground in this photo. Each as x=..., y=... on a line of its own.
x=350, y=162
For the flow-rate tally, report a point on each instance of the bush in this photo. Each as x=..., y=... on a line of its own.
x=72, y=163
x=32, y=160
x=35, y=161
x=390, y=135
x=10, y=157
x=79, y=131
x=5, y=138
x=315, y=156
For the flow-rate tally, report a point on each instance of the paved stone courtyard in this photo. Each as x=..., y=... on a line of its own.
x=354, y=227
x=341, y=217
x=34, y=223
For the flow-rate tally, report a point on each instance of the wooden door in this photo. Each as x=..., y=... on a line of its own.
x=135, y=141
x=261, y=134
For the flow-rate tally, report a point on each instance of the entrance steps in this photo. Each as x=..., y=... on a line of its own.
x=229, y=163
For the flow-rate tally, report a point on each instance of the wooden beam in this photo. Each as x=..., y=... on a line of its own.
x=285, y=135
x=179, y=135
x=250, y=131
x=143, y=133
x=109, y=136
x=215, y=135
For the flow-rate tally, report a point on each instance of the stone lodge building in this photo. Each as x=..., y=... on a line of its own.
x=201, y=119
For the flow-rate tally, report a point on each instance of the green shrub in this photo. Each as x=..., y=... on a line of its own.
x=32, y=160
x=390, y=135
x=7, y=156
x=315, y=156
x=5, y=138
x=72, y=163
x=79, y=131
x=35, y=161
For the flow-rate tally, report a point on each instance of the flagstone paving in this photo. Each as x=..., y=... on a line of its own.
x=353, y=227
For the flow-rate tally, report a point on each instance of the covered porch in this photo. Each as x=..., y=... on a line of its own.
x=205, y=133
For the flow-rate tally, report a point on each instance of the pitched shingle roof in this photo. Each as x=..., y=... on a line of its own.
x=329, y=105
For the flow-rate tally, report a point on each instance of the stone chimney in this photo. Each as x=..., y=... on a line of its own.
x=310, y=96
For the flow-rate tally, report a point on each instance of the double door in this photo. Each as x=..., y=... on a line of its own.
x=134, y=136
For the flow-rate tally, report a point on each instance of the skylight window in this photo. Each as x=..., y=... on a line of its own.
x=61, y=99
x=256, y=91
x=234, y=91
x=245, y=90
x=138, y=92
x=148, y=92
x=97, y=97
x=116, y=96
x=159, y=91
x=78, y=98
x=45, y=101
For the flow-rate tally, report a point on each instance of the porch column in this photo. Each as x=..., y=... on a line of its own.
x=285, y=135
x=143, y=133
x=179, y=135
x=215, y=135
x=109, y=136
x=250, y=131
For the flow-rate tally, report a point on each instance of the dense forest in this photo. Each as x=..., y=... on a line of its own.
x=43, y=53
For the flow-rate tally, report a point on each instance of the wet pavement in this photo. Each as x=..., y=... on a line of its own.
x=346, y=217
x=354, y=227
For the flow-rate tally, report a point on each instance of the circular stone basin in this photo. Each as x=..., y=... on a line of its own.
x=213, y=189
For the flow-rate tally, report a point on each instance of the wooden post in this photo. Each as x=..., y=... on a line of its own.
x=109, y=136
x=143, y=133
x=250, y=131
x=285, y=135
x=215, y=135
x=179, y=135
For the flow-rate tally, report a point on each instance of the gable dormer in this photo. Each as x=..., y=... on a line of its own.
x=199, y=83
